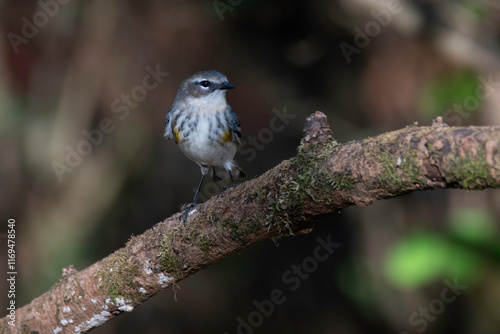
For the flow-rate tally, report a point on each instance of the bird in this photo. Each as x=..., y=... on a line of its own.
x=204, y=126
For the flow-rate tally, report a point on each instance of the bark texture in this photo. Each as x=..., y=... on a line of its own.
x=323, y=177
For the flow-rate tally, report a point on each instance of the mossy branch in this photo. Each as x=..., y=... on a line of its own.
x=323, y=177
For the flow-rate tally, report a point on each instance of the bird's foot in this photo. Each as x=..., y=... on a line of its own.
x=229, y=186
x=187, y=206
x=187, y=210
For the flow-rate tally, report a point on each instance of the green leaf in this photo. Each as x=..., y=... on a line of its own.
x=422, y=258
x=416, y=260
x=474, y=226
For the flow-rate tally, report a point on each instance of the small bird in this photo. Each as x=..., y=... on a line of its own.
x=204, y=126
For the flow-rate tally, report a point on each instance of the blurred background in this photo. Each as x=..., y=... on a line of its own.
x=84, y=91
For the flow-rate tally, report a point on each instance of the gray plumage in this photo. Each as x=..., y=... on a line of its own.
x=204, y=126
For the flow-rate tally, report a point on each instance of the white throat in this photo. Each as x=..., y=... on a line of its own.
x=213, y=102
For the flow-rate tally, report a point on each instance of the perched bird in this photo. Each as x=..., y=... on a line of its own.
x=204, y=126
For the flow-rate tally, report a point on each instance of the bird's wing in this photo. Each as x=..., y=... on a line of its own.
x=234, y=126
x=169, y=134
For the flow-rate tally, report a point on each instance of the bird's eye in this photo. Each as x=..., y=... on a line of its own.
x=205, y=83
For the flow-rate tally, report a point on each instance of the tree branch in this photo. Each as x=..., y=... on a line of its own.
x=323, y=177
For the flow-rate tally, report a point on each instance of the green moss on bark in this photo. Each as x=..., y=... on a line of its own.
x=471, y=171
x=171, y=261
x=117, y=277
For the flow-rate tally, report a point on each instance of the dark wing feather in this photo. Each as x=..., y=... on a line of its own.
x=169, y=134
x=234, y=125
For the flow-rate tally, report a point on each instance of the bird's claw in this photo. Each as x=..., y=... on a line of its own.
x=229, y=186
x=188, y=209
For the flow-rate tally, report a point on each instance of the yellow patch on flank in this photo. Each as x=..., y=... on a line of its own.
x=226, y=137
x=177, y=135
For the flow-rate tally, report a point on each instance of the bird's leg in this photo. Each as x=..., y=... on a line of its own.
x=187, y=207
x=195, y=199
x=232, y=182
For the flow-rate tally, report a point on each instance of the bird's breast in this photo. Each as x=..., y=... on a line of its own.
x=205, y=138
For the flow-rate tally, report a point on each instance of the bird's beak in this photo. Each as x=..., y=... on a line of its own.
x=226, y=85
